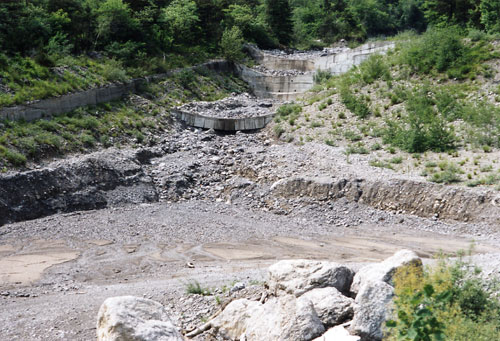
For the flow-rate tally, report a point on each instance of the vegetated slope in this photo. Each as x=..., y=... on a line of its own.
x=52, y=47
x=138, y=120
x=431, y=108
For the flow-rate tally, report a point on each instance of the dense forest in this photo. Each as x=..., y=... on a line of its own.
x=132, y=29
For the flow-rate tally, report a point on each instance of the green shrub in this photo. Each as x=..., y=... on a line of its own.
x=442, y=50
x=278, y=130
x=87, y=140
x=354, y=103
x=113, y=71
x=289, y=110
x=380, y=164
x=15, y=158
x=322, y=76
x=450, y=173
x=358, y=148
x=446, y=302
x=195, y=288
x=396, y=160
x=374, y=68
x=232, y=44
x=422, y=129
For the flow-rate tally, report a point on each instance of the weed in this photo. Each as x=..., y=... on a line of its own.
x=380, y=164
x=358, y=148
x=195, y=288
x=448, y=302
x=278, y=130
x=396, y=160
x=449, y=174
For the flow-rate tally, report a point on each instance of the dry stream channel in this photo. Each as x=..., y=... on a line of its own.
x=211, y=207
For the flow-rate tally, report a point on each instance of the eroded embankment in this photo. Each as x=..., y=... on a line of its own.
x=114, y=178
x=95, y=181
x=402, y=196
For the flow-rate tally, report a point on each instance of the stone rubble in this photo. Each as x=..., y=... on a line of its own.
x=305, y=55
x=236, y=106
x=291, y=72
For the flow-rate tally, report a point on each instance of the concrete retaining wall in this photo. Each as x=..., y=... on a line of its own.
x=226, y=124
x=292, y=87
x=66, y=103
x=280, y=87
x=341, y=62
x=273, y=62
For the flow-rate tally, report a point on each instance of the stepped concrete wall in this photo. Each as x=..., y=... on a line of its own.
x=341, y=62
x=280, y=87
x=291, y=87
x=273, y=62
x=226, y=124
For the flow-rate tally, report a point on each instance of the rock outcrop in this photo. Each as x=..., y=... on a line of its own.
x=331, y=306
x=135, y=319
x=95, y=181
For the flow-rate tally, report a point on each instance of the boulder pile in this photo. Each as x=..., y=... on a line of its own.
x=303, y=300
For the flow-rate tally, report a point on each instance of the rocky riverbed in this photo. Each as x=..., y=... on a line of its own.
x=207, y=207
x=210, y=211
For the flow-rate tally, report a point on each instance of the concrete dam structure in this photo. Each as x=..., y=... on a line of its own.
x=278, y=76
x=288, y=76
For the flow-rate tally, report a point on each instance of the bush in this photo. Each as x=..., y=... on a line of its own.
x=422, y=129
x=113, y=71
x=355, y=104
x=440, y=50
x=322, y=76
x=195, y=288
x=374, y=68
x=449, y=174
x=15, y=158
x=278, y=130
x=447, y=302
x=232, y=44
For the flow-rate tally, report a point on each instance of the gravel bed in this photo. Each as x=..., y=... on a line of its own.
x=238, y=106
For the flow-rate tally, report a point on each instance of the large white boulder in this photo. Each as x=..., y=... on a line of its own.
x=337, y=333
x=385, y=270
x=373, y=306
x=232, y=322
x=332, y=307
x=280, y=319
x=298, y=276
x=134, y=319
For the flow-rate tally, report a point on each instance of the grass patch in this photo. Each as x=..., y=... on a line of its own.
x=195, y=288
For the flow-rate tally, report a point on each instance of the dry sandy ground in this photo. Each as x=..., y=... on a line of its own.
x=56, y=271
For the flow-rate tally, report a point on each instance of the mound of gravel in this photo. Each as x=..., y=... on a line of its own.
x=238, y=106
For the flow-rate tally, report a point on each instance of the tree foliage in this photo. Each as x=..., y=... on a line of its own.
x=129, y=29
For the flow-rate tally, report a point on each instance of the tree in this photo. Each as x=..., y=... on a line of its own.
x=490, y=15
x=182, y=18
x=114, y=22
x=443, y=13
x=232, y=44
x=279, y=19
